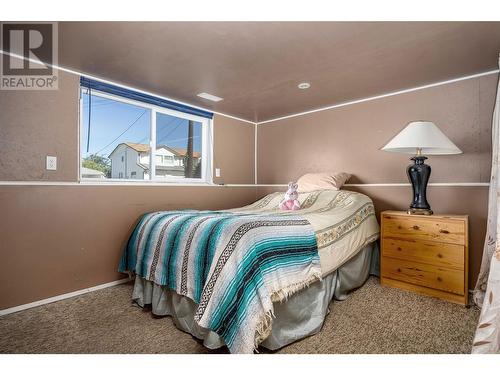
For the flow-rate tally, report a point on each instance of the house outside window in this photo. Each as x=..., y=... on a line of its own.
x=117, y=143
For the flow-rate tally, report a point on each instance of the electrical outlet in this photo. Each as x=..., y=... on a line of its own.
x=51, y=163
x=217, y=172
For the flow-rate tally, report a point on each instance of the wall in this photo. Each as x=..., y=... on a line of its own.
x=349, y=138
x=34, y=124
x=234, y=144
x=60, y=238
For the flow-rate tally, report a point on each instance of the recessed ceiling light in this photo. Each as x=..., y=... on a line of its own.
x=211, y=97
x=304, y=85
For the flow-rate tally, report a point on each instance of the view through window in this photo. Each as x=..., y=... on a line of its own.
x=178, y=147
x=116, y=135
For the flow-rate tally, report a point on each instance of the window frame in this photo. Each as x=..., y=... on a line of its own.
x=206, y=143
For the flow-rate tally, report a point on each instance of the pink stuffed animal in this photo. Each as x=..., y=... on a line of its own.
x=290, y=202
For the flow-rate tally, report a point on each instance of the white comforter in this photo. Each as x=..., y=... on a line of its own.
x=344, y=222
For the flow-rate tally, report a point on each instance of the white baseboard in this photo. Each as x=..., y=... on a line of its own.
x=30, y=305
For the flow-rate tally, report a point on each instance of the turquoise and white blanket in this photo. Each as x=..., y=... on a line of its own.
x=233, y=265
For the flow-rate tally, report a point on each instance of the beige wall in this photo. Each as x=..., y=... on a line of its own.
x=234, y=144
x=34, y=124
x=58, y=239
x=349, y=138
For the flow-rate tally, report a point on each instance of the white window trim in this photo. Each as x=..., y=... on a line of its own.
x=207, y=151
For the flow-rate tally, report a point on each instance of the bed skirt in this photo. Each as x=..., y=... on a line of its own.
x=300, y=316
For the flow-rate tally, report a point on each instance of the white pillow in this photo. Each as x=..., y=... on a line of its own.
x=322, y=181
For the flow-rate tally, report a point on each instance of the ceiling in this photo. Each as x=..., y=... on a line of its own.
x=256, y=66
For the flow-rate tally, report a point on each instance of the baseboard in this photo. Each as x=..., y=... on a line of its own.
x=30, y=305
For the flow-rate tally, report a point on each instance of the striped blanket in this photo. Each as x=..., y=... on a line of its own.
x=233, y=265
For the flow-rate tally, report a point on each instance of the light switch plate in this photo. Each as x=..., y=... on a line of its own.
x=217, y=172
x=51, y=163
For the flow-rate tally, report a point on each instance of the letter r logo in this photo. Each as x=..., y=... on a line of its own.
x=33, y=42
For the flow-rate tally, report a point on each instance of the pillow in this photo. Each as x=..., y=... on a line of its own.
x=322, y=181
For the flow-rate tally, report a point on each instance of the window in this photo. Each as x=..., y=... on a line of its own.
x=116, y=135
x=181, y=139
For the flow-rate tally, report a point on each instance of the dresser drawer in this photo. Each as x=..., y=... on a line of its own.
x=427, y=275
x=424, y=228
x=439, y=254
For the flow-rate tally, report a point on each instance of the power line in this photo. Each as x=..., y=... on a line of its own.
x=180, y=139
x=90, y=113
x=132, y=124
x=170, y=132
x=136, y=120
x=149, y=137
x=173, y=130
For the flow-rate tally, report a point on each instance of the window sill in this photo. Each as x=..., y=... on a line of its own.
x=99, y=182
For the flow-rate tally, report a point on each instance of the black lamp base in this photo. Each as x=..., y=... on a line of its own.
x=419, y=211
x=418, y=174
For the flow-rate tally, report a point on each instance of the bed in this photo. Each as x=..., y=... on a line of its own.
x=255, y=275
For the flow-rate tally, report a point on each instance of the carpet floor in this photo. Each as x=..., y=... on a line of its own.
x=374, y=319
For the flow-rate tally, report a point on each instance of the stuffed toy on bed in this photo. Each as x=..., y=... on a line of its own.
x=290, y=202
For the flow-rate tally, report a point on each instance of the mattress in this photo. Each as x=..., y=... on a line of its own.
x=344, y=222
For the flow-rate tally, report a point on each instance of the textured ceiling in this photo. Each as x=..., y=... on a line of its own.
x=256, y=66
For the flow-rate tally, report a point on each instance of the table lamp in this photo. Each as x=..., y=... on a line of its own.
x=421, y=138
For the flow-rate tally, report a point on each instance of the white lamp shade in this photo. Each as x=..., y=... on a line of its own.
x=422, y=135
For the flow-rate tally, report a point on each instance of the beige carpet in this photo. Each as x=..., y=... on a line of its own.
x=373, y=319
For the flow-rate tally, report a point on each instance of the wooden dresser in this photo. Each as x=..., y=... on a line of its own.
x=426, y=254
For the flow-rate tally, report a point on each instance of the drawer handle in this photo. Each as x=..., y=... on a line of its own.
x=416, y=227
x=440, y=255
x=399, y=269
x=399, y=249
x=439, y=279
x=444, y=231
